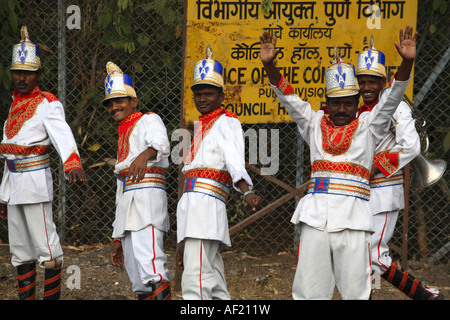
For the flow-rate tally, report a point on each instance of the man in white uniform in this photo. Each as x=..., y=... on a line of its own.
x=36, y=119
x=397, y=149
x=214, y=164
x=141, y=200
x=334, y=247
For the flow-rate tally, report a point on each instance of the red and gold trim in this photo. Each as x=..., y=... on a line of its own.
x=337, y=140
x=214, y=174
x=23, y=108
x=345, y=187
x=22, y=150
x=344, y=168
x=387, y=162
x=154, y=177
x=215, y=183
x=381, y=181
x=73, y=162
x=284, y=86
x=29, y=164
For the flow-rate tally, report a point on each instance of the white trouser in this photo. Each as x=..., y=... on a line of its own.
x=203, y=276
x=384, y=225
x=326, y=259
x=32, y=234
x=144, y=258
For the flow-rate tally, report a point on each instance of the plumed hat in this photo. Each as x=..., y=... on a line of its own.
x=340, y=78
x=371, y=62
x=25, y=55
x=117, y=83
x=208, y=71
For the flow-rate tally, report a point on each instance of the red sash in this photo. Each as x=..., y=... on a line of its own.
x=126, y=127
x=206, y=123
x=367, y=107
x=22, y=109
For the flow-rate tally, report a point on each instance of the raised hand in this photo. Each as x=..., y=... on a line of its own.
x=268, y=54
x=407, y=50
x=268, y=51
x=407, y=46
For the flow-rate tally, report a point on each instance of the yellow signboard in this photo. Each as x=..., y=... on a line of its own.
x=307, y=32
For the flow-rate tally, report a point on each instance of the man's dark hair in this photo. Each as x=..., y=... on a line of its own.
x=204, y=85
x=356, y=97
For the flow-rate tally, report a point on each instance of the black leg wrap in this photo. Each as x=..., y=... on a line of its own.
x=26, y=275
x=160, y=291
x=145, y=296
x=52, y=284
x=407, y=283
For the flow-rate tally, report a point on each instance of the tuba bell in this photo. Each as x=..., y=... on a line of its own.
x=425, y=172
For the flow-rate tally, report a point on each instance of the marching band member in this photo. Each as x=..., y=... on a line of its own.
x=397, y=149
x=335, y=218
x=36, y=119
x=141, y=219
x=214, y=165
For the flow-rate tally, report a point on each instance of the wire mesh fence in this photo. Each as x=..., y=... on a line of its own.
x=144, y=38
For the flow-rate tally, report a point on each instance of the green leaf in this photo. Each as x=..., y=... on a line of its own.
x=266, y=5
x=436, y=4
x=443, y=8
x=12, y=5
x=94, y=147
x=432, y=28
x=105, y=19
x=13, y=21
x=143, y=39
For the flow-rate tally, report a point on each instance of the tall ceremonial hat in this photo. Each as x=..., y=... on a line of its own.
x=117, y=83
x=208, y=70
x=25, y=55
x=371, y=61
x=340, y=78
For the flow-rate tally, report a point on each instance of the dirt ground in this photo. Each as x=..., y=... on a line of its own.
x=248, y=277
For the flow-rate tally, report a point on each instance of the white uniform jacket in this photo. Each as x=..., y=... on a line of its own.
x=395, y=151
x=141, y=204
x=341, y=159
x=34, y=121
x=217, y=153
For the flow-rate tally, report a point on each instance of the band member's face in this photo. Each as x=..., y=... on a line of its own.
x=120, y=108
x=207, y=99
x=370, y=87
x=24, y=81
x=342, y=110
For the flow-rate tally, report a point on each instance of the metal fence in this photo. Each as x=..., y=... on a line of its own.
x=144, y=39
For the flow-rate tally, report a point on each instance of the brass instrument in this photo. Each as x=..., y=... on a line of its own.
x=426, y=172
